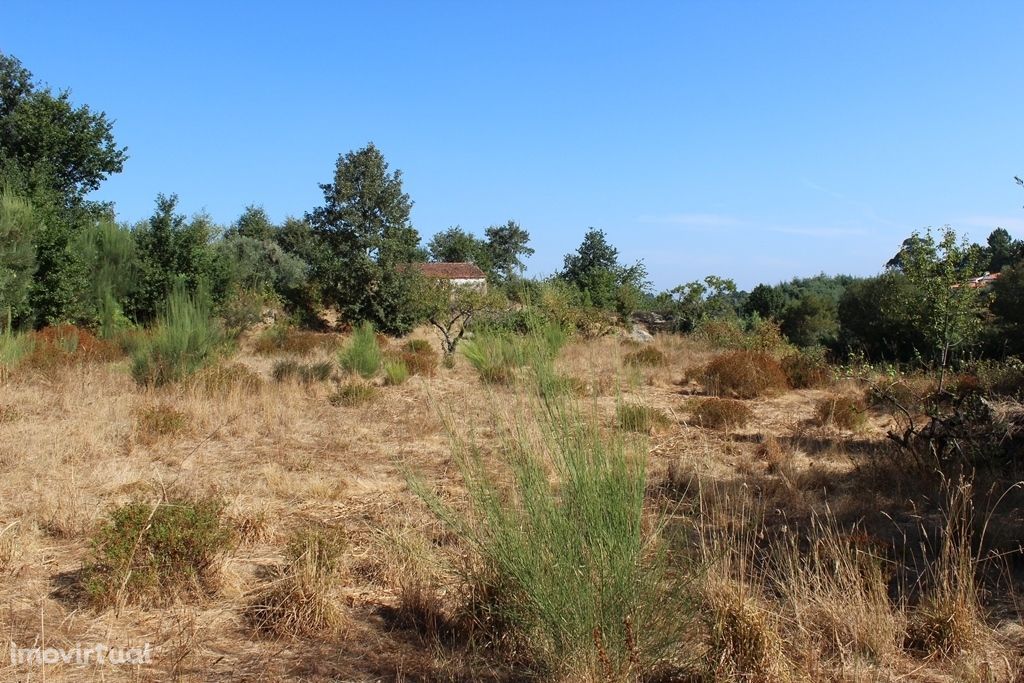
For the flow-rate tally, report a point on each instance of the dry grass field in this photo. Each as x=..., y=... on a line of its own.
x=809, y=548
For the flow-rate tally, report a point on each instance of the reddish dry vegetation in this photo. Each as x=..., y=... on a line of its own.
x=743, y=374
x=61, y=345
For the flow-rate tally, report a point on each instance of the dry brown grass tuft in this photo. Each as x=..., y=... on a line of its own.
x=156, y=422
x=283, y=339
x=743, y=374
x=772, y=451
x=353, y=393
x=419, y=356
x=224, y=378
x=62, y=345
x=640, y=418
x=806, y=372
x=842, y=412
x=745, y=641
x=722, y=413
x=646, y=357
x=300, y=602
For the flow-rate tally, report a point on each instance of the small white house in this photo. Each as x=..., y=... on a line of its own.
x=459, y=274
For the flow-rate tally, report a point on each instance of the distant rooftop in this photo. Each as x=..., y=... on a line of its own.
x=452, y=271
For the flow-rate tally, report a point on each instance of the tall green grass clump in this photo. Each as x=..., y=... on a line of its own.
x=496, y=355
x=186, y=338
x=564, y=556
x=14, y=346
x=363, y=355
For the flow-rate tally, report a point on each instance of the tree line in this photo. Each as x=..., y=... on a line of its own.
x=64, y=258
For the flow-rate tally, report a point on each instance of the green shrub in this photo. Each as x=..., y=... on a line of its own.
x=743, y=374
x=185, y=339
x=14, y=347
x=395, y=373
x=353, y=394
x=566, y=565
x=363, y=355
x=637, y=418
x=306, y=373
x=496, y=356
x=156, y=552
x=1001, y=378
x=806, y=371
x=722, y=413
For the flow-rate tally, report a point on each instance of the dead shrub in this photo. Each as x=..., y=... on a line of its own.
x=743, y=374
x=773, y=453
x=304, y=373
x=745, y=642
x=722, y=413
x=419, y=356
x=61, y=345
x=842, y=412
x=8, y=414
x=223, y=378
x=158, y=421
x=300, y=602
x=646, y=357
x=284, y=339
x=805, y=371
x=353, y=393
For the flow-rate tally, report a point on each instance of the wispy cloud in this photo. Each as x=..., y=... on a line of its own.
x=865, y=209
x=820, y=232
x=696, y=220
x=1014, y=224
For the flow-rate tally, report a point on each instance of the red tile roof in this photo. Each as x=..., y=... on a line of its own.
x=452, y=271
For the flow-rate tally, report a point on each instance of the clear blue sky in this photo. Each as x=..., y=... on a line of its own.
x=755, y=140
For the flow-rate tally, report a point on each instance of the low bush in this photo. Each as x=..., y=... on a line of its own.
x=351, y=394
x=157, y=552
x=568, y=568
x=722, y=413
x=305, y=373
x=155, y=422
x=223, y=378
x=300, y=602
x=842, y=412
x=646, y=356
x=280, y=338
x=185, y=338
x=395, y=372
x=743, y=374
x=806, y=371
x=638, y=418
x=363, y=355
x=419, y=357
x=1001, y=378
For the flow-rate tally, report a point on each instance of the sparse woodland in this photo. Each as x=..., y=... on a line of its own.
x=277, y=452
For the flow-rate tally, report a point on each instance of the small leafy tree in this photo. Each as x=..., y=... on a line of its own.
x=450, y=308
x=944, y=307
x=364, y=226
x=594, y=269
